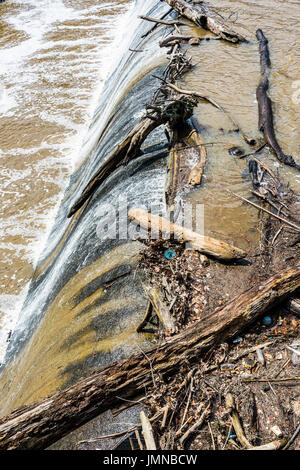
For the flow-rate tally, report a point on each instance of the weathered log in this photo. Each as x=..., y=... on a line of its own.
x=177, y=38
x=265, y=123
x=160, y=307
x=207, y=245
x=181, y=171
x=156, y=24
x=40, y=424
x=161, y=21
x=127, y=150
x=200, y=17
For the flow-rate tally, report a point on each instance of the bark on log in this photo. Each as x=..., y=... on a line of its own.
x=200, y=17
x=207, y=245
x=294, y=306
x=39, y=425
x=160, y=307
x=265, y=123
x=127, y=150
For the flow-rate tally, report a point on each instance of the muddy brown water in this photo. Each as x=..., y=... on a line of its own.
x=54, y=58
x=50, y=89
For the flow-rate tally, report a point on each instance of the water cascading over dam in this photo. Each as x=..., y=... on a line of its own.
x=84, y=301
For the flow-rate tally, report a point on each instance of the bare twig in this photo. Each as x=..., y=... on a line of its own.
x=195, y=426
x=292, y=439
x=294, y=226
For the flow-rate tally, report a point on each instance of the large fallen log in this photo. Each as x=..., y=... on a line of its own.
x=127, y=150
x=199, y=15
x=266, y=124
x=207, y=245
x=39, y=425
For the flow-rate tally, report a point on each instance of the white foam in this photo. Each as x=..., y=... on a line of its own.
x=10, y=306
x=36, y=20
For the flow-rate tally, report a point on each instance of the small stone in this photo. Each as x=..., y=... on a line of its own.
x=267, y=320
x=237, y=340
x=277, y=431
x=194, y=41
x=236, y=151
x=246, y=376
x=295, y=346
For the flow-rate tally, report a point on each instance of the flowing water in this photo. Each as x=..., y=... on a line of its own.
x=84, y=301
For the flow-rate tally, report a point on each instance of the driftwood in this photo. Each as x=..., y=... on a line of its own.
x=127, y=150
x=160, y=307
x=195, y=176
x=38, y=425
x=181, y=172
x=266, y=124
x=157, y=23
x=147, y=432
x=178, y=38
x=161, y=21
x=207, y=245
x=200, y=17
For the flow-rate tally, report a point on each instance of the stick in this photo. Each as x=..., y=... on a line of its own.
x=275, y=445
x=195, y=426
x=156, y=24
x=146, y=317
x=138, y=438
x=286, y=379
x=230, y=405
x=292, y=439
x=161, y=21
x=296, y=227
x=147, y=432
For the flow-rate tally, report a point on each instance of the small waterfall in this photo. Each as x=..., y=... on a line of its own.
x=84, y=301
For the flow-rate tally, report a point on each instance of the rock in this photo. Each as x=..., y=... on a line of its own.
x=236, y=151
x=194, y=41
x=277, y=431
x=295, y=347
